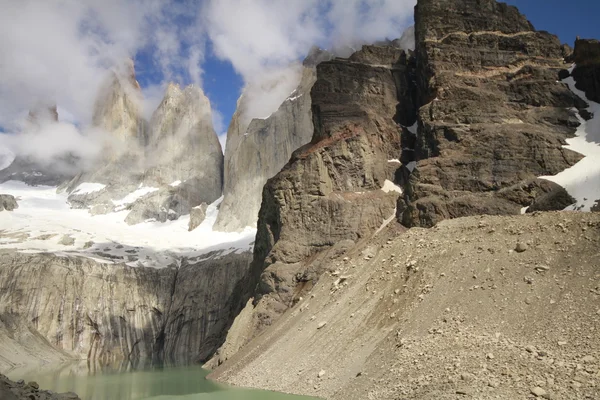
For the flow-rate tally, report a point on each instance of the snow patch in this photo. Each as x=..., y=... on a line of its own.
x=87, y=188
x=134, y=196
x=411, y=166
x=413, y=128
x=387, y=222
x=45, y=214
x=582, y=181
x=176, y=183
x=394, y=161
x=390, y=186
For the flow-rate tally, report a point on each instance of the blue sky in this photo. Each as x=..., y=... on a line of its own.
x=566, y=19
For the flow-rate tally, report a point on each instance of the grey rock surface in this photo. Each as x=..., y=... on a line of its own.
x=183, y=145
x=587, y=71
x=166, y=204
x=118, y=114
x=8, y=202
x=109, y=312
x=328, y=196
x=178, y=153
x=257, y=150
x=197, y=216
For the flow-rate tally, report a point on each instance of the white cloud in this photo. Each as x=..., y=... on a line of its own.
x=59, y=51
x=49, y=145
x=262, y=38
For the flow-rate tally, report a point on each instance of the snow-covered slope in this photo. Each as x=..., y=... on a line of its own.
x=44, y=218
x=582, y=180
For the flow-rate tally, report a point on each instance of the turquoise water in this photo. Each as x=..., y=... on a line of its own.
x=167, y=383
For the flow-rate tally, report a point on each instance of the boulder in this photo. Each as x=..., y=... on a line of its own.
x=8, y=202
x=197, y=216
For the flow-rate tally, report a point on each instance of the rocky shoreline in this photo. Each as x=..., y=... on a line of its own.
x=10, y=390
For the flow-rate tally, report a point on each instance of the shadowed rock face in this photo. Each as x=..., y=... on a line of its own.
x=587, y=70
x=492, y=115
x=111, y=312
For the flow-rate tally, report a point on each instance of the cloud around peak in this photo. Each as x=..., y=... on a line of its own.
x=61, y=51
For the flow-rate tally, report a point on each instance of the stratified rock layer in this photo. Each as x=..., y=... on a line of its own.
x=108, y=312
x=492, y=114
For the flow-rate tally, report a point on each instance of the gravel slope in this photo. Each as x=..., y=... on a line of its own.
x=478, y=307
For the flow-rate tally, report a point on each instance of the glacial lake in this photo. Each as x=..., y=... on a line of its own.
x=165, y=383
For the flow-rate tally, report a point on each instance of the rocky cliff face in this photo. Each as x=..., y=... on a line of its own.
x=329, y=196
x=465, y=125
x=118, y=114
x=587, y=71
x=492, y=115
x=108, y=312
x=256, y=151
x=183, y=145
x=118, y=106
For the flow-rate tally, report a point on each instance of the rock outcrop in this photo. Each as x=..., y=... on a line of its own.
x=118, y=107
x=108, y=312
x=587, y=71
x=257, y=150
x=118, y=114
x=197, y=216
x=492, y=115
x=8, y=202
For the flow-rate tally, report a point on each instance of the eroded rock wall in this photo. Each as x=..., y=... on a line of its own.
x=108, y=312
x=183, y=146
x=492, y=114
